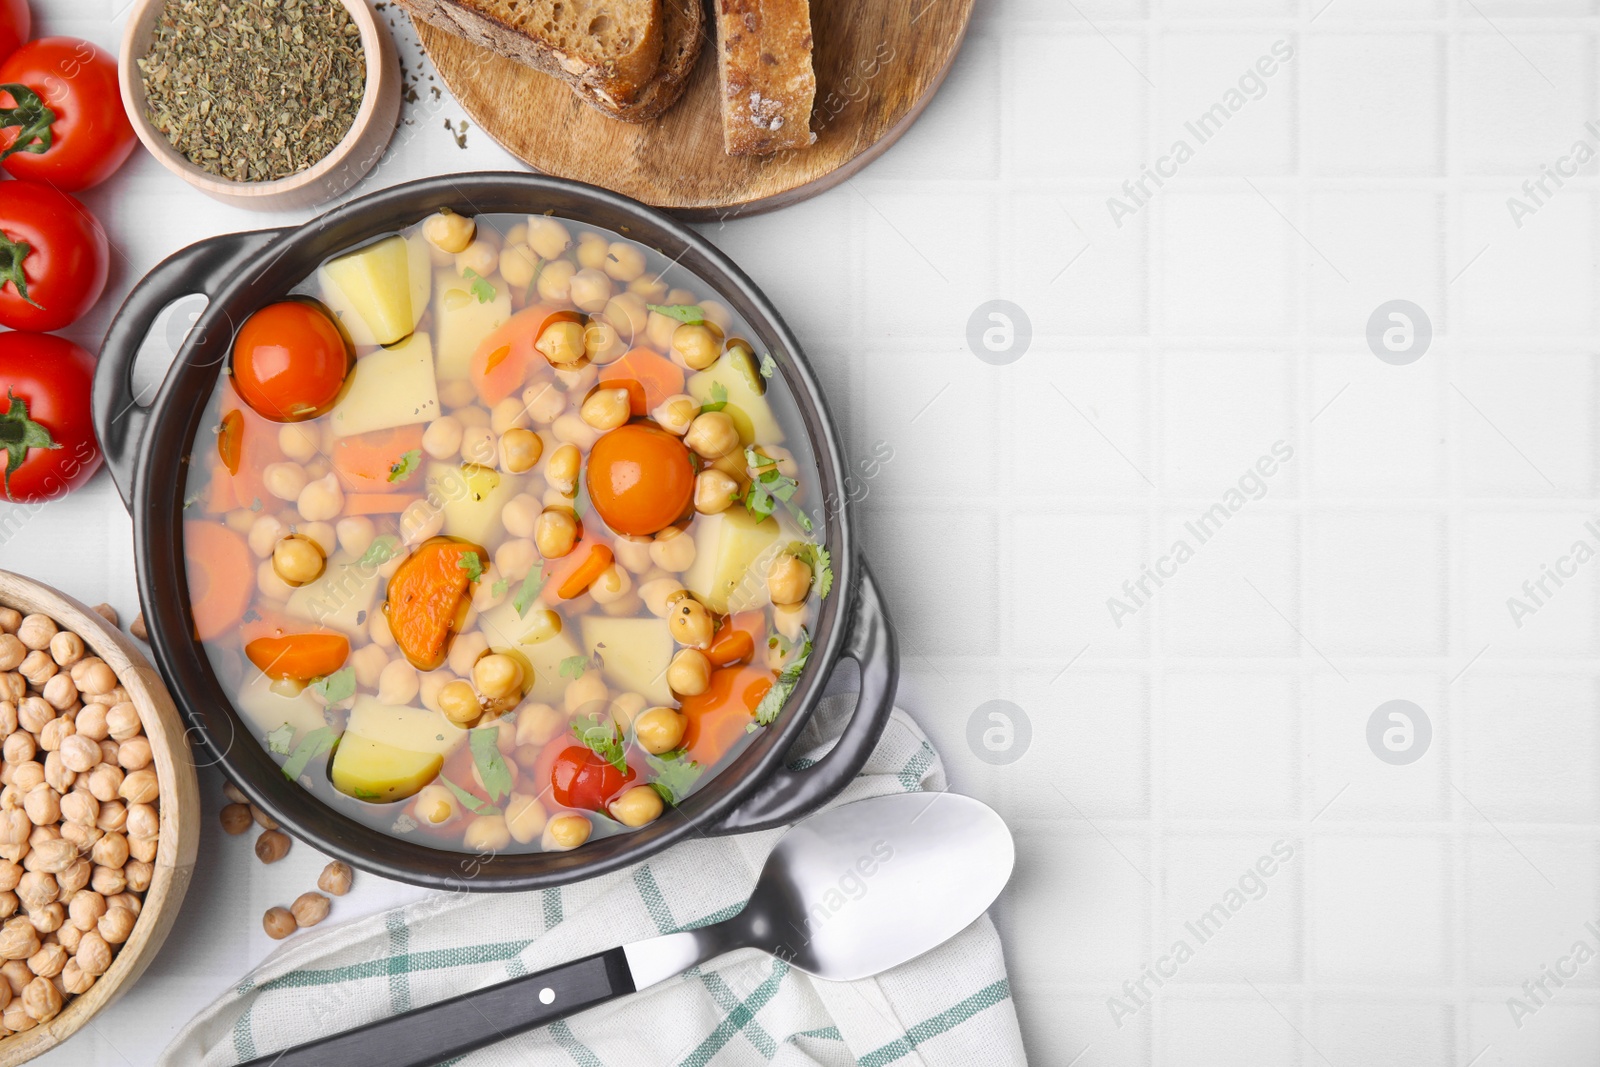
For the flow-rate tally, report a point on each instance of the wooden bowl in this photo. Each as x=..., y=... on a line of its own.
x=350, y=160
x=180, y=810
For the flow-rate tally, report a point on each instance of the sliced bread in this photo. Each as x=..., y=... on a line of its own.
x=683, y=28
x=606, y=47
x=767, y=81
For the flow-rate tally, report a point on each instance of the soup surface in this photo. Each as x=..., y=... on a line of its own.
x=506, y=537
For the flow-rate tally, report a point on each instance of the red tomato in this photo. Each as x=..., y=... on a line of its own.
x=53, y=258
x=640, y=479
x=65, y=124
x=45, y=430
x=581, y=779
x=16, y=23
x=290, y=361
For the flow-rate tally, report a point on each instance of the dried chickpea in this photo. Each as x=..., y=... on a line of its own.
x=85, y=909
x=90, y=722
x=74, y=981
x=123, y=721
x=35, y=631
x=42, y=1000
x=116, y=925
x=66, y=648
x=12, y=652
x=108, y=881
x=308, y=909
x=139, y=788
x=10, y=619
x=278, y=923
x=335, y=878
x=18, y=939
x=235, y=818
x=82, y=754
x=272, y=846
x=563, y=833
x=80, y=808
x=38, y=668
x=60, y=693
x=133, y=754
x=143, y=820
x=144, y=849
x=105, y=780
x=110, y=851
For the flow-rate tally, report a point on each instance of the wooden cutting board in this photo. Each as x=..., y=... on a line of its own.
x=878, y=64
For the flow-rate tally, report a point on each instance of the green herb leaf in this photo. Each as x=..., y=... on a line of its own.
x=821, y=564
x=686, y=313
x=676, y=775
x=310, y=747
x=768, y=367
x=498, y=589
x=34, y=121
x=381, y=551
x=574, y=666
x=602, y=737
x=472, y=565
x=340, y=685
x=772, y=703
x=280, y=739
x=365, y=794
x=533, y=283
x=402, y=468
x=480, y=287
x=468, y=801
x=530, y=589
x=719, y=398
x=491, y=765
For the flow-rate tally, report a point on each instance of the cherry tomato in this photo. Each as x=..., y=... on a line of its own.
x=290, y=361
x=582, y=779
x=62, y=115
x=640, y=479
x=16, y=23
x=46, y=435
x=53, y=258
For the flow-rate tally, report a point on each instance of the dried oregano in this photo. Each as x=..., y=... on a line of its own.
x=254, y=90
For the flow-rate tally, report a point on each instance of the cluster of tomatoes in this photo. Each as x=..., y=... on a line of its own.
x=62, y=130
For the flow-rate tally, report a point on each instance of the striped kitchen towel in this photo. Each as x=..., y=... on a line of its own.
x=952, y=1006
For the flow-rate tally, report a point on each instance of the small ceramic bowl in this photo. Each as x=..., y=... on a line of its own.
x=180, y=810
x=349, y=161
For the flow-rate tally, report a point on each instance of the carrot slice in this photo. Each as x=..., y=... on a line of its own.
x=736, y=638
x=376, y=503
x=299, y=656
x=649, y=378
x=364, y=461
x=222, y=576
x=506, y=359
x=573, y=574
x=257, y=447
x=424, y=599
x=718, y=717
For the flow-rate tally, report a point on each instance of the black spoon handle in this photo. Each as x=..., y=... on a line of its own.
x=461, y=1024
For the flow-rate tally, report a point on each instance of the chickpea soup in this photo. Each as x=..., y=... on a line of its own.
x=506, y=537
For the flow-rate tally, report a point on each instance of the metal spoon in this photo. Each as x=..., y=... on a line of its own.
x=846, y=894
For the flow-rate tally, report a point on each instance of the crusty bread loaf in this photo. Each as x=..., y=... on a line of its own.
x=683, y=24
x=767, y=81
x=610, y=48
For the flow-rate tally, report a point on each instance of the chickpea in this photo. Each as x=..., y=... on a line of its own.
x=142, y=850
x=649, y=288
x=519, y=515
x=43, y=805
x=606, y=409
x=368, y=661
x=658, y=592
x=80, y=753
x=611, y=586
x=436, y=805
x=525, y=818
x=538, y=723
x=555, y=532
x=459, y=703
x=676, y=414
x=673, y=550
x=284, y=480
x=638, y=806
x=336, y=878
x=498, y=676
x=480, y=445
x=487, y=833
x=689, y=673
x=297, y=560
x=543, y=402
x=714, y=492
x=397, y=683
x=555, y=281
x=593, y=250
x=419, y=521
x=480, y=257
x=42, y=1000
x=66, y=648
x=116, y=925
x=520, y=450
x=690, y=622
x=308, y=909
x=132, y=754
x=378, y=631
x=659, y=329
x=38, y=668
x=272, y=846
x=104, y=781
x=696, y=345
x=355, y=534
x=585, y=694
x=624, y=261
x=465, y=651
x=680, y=296
x=561, y=342
x=321, y=500
x=590, y=290
x=279, y=923
x=788, y=579
x=12, y=652
x=449, y=232
x=548, y=236
x=457, y=393
x=566, y=832
x=517, y=265
x=660, y=729
x=442, y=438
x=60, y=693
x=543, y=624
x=36, y=632
x=713, y=435
x=297, y=442
x=235, y=818
x=144, y=821
x=507, y=414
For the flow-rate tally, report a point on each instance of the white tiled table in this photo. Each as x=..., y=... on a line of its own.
x=1167, y=354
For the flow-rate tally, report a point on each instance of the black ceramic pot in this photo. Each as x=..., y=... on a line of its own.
x=147, y=446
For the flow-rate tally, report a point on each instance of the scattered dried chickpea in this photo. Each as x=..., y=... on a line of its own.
x=335, y=878
x=279, y=923
x=309, y=909
x=272, y=846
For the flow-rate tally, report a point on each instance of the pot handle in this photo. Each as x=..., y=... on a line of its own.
x=791, y=794
x=119, y=416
